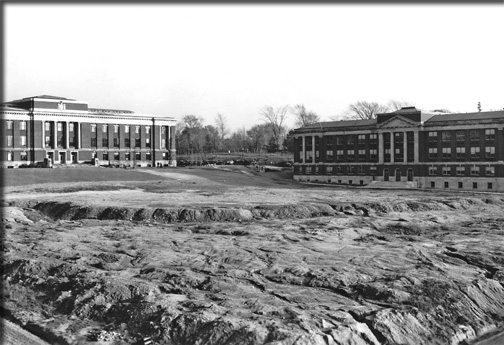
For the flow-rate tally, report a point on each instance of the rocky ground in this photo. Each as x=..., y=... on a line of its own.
x=216, y=256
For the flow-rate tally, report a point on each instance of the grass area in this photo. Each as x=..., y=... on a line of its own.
x=28, y=176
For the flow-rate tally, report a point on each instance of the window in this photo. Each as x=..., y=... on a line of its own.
x=489, y=185
x=360, y=170
x=339, y=155
x=10, y=140
x=317, y=154
x=361, y=139
x=126, y=129
x=362, y=155
x=308, y=170
x=116, y=128
x=474, y=134
x=309, y=155
x=350, y=140
x=446, y=136
x=148, y=156
x=446, y=152
x=138, y=156
x=127, y=156
x=460, y=152
x=60, y=127
x=93, y=141
x=446, y=171
x=137, y=129
x=373, y=138
x=339, y=140
x=460, y=135
x=475, y=185
x=433, y=137
x=432, y=153
x=461, y=171
x=446, y=185
x=47, y=126
x=490, y=152
x=137, y=142
x=316, y=169
x=23, y=140
x=10, y=156
x=163, y=146
x=461, y=185
x=9, y=124
x=147, y=142
x=329, y=154
x=373, y=154
x=475, y=171
x=147, y=130
x=105, y=156
x=489, y=134
x=105, y=141
x=475, y=152
x=432, y=170
x=116, y=156
x=22, y=125
x=372, y=170
x=104, y=128
x=350, y=155
x=399, y=138
x=433, y=184
x=329, y=170
x=338, y=170
x=93, y=128
x=24, y=156
x=116, y=142
x=490, y=171
x=351, y=170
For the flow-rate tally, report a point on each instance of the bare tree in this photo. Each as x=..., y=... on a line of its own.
x=276, y=118
x=304, y=117
x=365, y=110
x=222, y=128
x=394, y=105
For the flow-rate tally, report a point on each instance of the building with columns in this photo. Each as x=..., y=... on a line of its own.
x=43, y=129
x=405, y=148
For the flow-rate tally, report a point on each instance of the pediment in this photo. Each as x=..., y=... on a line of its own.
x=399, y=122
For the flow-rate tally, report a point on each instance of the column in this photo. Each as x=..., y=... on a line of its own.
x=405, y=147
x=160, y=136
x=77, y=135
x=415, y=147
x=168, y=138
x=303, y=147
x=173, y=160
x=392, y=153
x=381, y=148
x=43, y=135
x=55, y=135
x=67, y=134
x=313, y=148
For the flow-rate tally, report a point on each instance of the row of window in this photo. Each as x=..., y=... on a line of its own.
x=461, y=152
x=460, y=185
x=474, y=135
x=461, y=171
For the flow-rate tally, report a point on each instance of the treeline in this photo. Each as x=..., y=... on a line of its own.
x=196, y=137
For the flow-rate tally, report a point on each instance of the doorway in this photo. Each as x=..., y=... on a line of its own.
x=410, y=174
x=74, y=157
x=386, y=175
x=62, y=156
x=398, y=175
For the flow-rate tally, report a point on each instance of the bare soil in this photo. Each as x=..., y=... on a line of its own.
x=226, y=255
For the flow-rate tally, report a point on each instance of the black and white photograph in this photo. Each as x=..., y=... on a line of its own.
x=252, y=173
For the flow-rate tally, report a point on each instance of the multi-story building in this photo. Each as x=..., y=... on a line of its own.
x=407, y=148
x=55, y=130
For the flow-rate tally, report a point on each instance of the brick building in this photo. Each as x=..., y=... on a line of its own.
x=405, y=148
x=67, y=131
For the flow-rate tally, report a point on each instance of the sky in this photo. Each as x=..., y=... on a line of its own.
x=175, y=60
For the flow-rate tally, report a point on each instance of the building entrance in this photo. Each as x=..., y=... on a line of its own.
x=386, y=175
x=398, y=175
x=410, y=175
x=62, y=156
x=74, y=157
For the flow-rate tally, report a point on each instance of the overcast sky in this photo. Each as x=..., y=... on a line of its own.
x=175, y=60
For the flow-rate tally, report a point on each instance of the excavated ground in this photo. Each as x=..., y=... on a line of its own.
x=230, y=256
